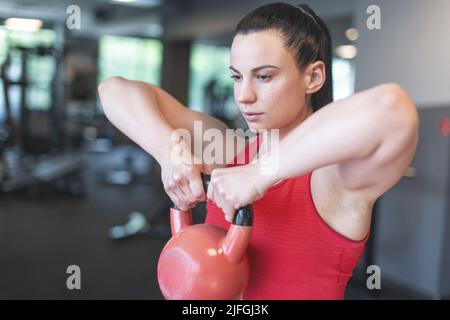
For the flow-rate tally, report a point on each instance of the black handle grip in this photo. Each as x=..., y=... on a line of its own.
x=206, y=178
x=242, y=216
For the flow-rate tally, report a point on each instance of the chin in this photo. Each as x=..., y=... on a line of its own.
x=255, y=126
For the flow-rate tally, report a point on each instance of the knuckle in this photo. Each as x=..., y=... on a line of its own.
x=170, y=186
x=192, y=200
x=177, y=178
x=198, y=195
x=190, y=170
x=222, y=192
x=230, y=198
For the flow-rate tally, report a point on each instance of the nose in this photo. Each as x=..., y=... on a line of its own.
x=245, y=93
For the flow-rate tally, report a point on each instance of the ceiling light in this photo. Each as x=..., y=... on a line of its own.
x=346, y=52
x=352, y=34
x=20, y=24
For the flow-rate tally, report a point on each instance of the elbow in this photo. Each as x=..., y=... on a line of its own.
x=110, y=85
x=108, y=90
x=397, y=105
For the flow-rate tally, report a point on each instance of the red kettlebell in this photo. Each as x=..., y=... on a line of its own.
x=204, y=262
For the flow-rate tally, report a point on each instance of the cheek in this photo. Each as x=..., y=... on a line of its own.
x=283, y=104
x=288, y=86
x=282, y=98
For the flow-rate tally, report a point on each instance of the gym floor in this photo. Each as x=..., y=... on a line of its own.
x=41, y=236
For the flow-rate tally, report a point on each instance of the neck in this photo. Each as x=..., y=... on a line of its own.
x=307, y=111
x=283, y=132
x=264, y=148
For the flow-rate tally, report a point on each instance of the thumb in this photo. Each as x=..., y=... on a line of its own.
x=229, y=215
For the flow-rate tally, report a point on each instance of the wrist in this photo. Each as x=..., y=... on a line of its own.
x=268, y=167
x=179, y=153
x=267, y=175
x=163, y=155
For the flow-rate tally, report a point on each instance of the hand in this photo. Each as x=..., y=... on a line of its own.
x=235, y=187
x=182, y=179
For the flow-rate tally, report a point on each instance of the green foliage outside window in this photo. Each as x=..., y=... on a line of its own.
x=207, y=63
x=40, y=68
x=131, y=58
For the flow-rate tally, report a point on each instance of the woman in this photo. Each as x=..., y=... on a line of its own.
x=311, y=215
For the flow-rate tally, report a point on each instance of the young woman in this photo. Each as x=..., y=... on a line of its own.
x=312, y=215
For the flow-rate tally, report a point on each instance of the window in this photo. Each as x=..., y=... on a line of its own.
x=209, y=69
x=131, y=58
x=40, y=68
x=343, y=78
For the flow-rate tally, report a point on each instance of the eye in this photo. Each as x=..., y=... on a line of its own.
x=263, y=77
x=235, y=77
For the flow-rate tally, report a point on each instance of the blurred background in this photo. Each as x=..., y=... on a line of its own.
x=75, y=191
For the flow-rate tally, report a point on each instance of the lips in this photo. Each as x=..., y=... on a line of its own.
x=251, y=113
x=252, y=116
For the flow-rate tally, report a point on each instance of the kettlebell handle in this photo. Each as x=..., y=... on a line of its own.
x=242, y=217
x=235, y=242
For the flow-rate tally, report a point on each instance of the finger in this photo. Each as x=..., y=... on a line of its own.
x=176, y=200
x=196, y=188
x=224, y=206
x=210, y=192
x=187, y=195
x=183, y=190
x=183, y=202
x=229, y=214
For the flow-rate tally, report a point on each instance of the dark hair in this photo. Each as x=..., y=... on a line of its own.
x=303, y=32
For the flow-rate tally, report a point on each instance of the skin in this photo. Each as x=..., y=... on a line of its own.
x=275, y=91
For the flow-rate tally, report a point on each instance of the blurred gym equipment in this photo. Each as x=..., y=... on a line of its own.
x=136, y=167
x=29, y=161
x=127, y=172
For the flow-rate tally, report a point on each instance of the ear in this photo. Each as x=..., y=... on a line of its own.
x=315, y=77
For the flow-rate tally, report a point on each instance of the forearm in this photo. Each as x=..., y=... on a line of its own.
x=133, y=108
x=352, y=128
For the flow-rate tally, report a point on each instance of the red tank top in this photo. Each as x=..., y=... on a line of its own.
x=293, y=253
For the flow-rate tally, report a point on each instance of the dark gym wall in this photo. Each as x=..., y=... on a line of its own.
x=175, y=68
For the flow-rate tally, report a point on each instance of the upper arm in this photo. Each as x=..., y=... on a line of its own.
x=181, y=117
x=379, y=171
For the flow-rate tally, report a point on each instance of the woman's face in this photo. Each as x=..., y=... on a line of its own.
x=268, y=87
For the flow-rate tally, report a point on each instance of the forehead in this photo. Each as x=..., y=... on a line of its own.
x=258, y=48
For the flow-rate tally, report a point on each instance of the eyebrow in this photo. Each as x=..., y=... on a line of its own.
x=255, y=69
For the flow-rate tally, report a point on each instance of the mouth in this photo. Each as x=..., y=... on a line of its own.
x=252, y=116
